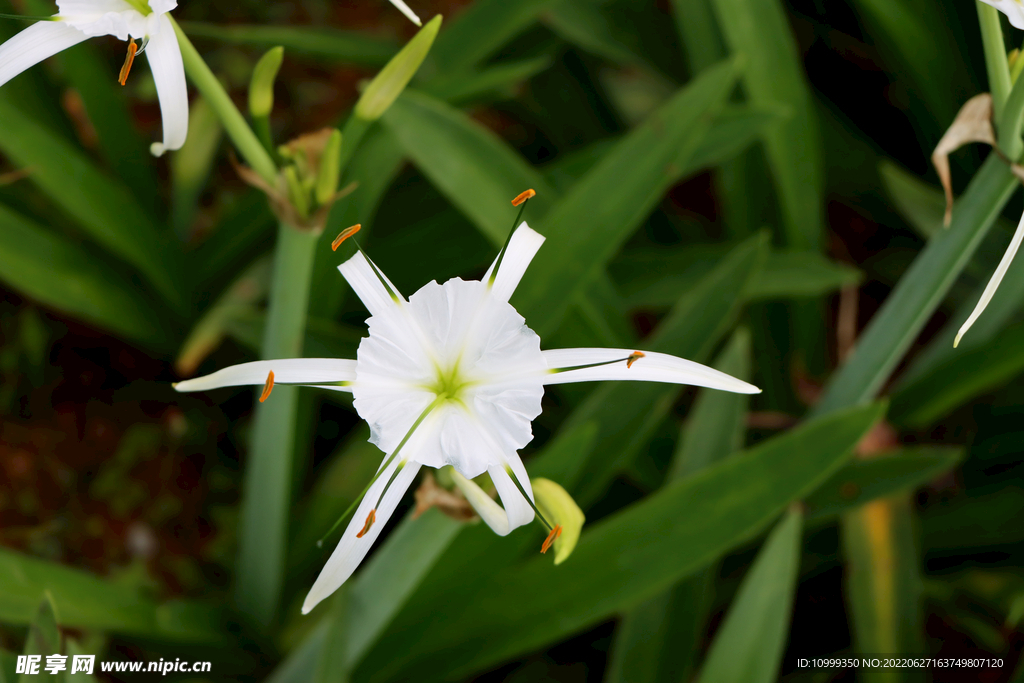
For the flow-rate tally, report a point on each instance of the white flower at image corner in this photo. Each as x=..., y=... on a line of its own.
x=404, y=9
x=451, y=376
x=78, y=20
x=1013, y=9
x=993, y=283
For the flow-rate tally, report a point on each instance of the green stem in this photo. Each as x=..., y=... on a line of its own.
x=995, y=54
x=248, y=145
x=1008, y=121
x=921, y=290
x=268, y=474
x=351, y=135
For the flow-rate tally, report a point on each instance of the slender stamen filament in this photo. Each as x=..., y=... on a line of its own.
x=628, y=360
x=268, y=387
x=387, y=463
x=344, y=235
x=380, y=275
x=122, y=78
x=555, y=533
x=519, y=201
x=515, y=480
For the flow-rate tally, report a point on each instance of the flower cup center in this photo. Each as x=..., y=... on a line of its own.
x=141, y=6
x=450, y=384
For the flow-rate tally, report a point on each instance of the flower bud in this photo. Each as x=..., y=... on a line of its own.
x=330, y=168
x=396, y=74
x=561, y=510
x=261, y=86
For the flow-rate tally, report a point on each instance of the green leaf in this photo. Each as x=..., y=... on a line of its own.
x=105, y=209
x=977, y=521
x=332, y=666
x=624, y=558
x=748, y=647
x=886, y=474
x=588, y=226
x=883, y=583
x=191, y=165
x=91, y=603
x=582, y=23
x=651, y=277
x=696, y=25
x=8, y=667
x=43, y=639
x=701, y=316
x=477, y=171
x=658, y=639
x=73, y=648
x=735, y=128
x=919, y=203
x=774, y=76
x=919, y=292
x=961, y=378
x=479, y=30
x=86, y=289
x=350, y=47
x=497, y=80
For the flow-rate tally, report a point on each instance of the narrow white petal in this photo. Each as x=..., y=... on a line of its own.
x=488, y=509
x=404, y=8
x=34, y=44
x=652, y=367
x=286, y=371
x=993, y=283
x=516, y=506
x=164, y=57
x=351, y=550
x=521, y=249
x=367, y=286
x=162, y=6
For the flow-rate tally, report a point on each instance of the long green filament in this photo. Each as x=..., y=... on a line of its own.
x=594, y=365
x=387, y=463
x=504, y=248
x=380, y=276
x=515, y=480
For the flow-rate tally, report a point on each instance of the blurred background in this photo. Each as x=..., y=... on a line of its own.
x=821, y=147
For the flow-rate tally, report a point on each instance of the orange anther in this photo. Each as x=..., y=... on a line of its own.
x=522, y=197
x=555, y=533
x=370, y=519
x=122, y=78
x=268, y=387
x=344, y=235
x=634, y=357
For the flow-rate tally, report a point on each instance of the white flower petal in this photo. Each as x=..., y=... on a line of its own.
x=1012, y=9
x=367, y=286
x=521, y=249
x=652, y=367
x=162, y=6
x=312, y=371
x=351, y=550
x=502, y=521
x=34, y=44
x=404, y=8
x=993, y=283
x=164, y=57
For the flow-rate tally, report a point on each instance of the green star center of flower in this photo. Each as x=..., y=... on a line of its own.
x=450, y=384
x=141, y=6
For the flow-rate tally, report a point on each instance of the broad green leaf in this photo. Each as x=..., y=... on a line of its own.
x=702, y=40
x=883, y=582
x=86, y=601
x=582, y=23
x=86, y=289
x=588, y=226
x=8, y=667
x=72, y=648
x=245, y=230
x=622, y=559
x=918, y=34
x=349, y=47
x=480, y=30
x=921, y=204
x=961, y=378
x=43, y=639
x=749, y=645
x=105, y=209
x=701, y=316
x=332, y=666
x=494, y=80
x=651, y=277
x=658, y=639
x=919, y=292
x=887, y=474
x=477, y=171
x=774, y=75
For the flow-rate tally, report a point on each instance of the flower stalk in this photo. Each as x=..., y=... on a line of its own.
x=995, y=54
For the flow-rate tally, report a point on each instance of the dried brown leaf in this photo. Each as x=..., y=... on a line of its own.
x=973, y=123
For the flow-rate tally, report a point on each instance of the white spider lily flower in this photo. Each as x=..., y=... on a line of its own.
x=452, y=376
x=1013, y=10
x=77, y=20
x=993, y=283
